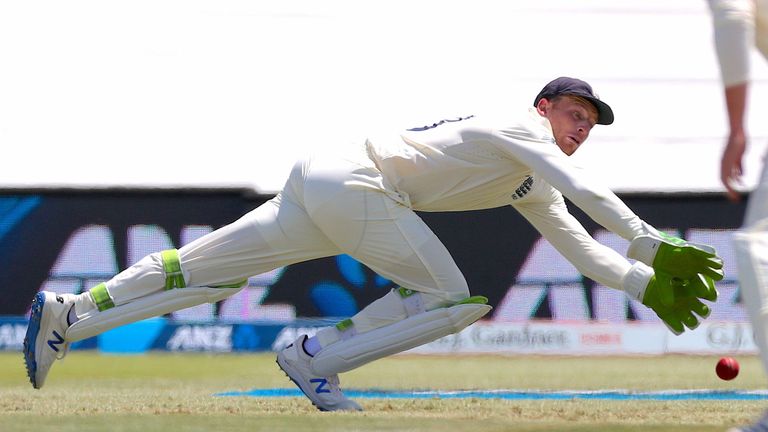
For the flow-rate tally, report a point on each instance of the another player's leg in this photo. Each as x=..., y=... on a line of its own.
x=751, y=250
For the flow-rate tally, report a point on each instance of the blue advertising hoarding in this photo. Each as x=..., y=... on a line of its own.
x=70, y=240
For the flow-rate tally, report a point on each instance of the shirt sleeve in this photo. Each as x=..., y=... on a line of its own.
x=592, y=259
x=551, y=164
x=733, y=23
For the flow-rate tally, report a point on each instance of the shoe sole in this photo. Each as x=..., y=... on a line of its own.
x=284, y=368
x=30, y=339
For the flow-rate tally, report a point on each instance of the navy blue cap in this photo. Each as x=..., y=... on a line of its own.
x=576, y=87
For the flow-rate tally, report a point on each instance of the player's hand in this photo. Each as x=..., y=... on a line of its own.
x=678, y=302
x=731, y=167
x=677, y=257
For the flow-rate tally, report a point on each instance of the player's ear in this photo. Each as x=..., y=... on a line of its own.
x=543, y=107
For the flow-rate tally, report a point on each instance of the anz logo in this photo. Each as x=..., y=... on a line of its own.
x=201, y=338
x=524, y=188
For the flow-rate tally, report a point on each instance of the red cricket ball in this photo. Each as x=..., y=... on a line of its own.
x=727, y=368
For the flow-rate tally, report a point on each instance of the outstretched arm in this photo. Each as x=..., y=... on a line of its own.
x=592, y=259
x=675, y=257
x=590, y=195
x=677, y=302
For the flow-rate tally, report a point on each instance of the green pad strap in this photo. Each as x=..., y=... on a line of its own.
x=405, y=292
x=344, y=325
x=474, y=300
x=174, y=278
x=101, y=297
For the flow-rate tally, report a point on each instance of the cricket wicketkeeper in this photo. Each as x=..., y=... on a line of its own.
x=363, y=203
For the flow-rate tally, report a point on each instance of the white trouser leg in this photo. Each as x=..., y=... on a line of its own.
x=751, y=248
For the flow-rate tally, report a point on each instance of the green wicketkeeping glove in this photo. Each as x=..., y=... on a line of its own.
x=675, y=301
x=676, y=257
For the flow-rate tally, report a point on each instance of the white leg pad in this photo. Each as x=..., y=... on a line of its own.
x=403, y=335
x=145, y=307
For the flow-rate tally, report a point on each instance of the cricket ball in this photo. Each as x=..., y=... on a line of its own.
x=727, y=368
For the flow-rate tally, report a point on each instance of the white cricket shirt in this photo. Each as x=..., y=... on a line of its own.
x=474, y=163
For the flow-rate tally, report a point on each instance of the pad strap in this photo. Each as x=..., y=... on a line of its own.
x=101, y=297
x=412, y=301
x=174, y=278
x=346, y=329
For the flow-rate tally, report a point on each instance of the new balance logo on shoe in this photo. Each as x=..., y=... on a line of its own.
x=322, y=382
x=53, y=343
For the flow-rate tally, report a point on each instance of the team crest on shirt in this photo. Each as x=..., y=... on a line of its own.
x=524, y=188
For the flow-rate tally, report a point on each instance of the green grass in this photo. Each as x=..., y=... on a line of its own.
x=167, y=392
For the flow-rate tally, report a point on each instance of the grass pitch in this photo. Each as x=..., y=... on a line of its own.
x=175, y=392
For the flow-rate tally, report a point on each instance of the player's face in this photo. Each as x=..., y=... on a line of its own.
x=572, y=118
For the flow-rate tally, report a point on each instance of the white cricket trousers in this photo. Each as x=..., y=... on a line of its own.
x=329, y=206
x=751, y=241
x=751, y=248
